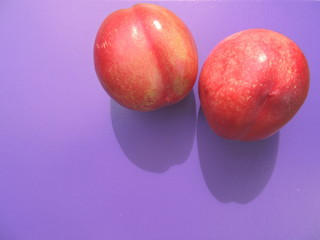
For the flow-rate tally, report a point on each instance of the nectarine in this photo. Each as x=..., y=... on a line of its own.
x=252, y=84
x=145, y=57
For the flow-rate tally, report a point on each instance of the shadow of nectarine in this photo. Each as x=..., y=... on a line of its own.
x=235, y=171
x=157, y=140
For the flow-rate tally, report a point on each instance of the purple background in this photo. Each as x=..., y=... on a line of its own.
x=75, y=165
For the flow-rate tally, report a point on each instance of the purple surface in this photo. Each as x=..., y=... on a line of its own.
x=75, y=165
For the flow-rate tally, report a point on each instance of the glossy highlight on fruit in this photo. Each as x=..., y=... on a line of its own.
x=145, y=57
x=252, y=84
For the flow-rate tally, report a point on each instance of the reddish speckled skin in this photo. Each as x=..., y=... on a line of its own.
x=145, y=57
x=252, y=84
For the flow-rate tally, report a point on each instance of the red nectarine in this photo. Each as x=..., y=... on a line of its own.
x=252, y=84
x=145, y=57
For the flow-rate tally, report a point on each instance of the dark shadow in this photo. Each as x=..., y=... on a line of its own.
x=235, y=171
x=156, y=140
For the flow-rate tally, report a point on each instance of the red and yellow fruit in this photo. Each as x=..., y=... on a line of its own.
x=145, y=57
x=252, y=84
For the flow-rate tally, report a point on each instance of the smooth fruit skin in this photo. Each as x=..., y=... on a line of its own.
x=252, y=84
x=145, y=57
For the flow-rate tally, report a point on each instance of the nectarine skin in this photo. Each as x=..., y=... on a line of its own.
x=145, y=57
x=252, y=84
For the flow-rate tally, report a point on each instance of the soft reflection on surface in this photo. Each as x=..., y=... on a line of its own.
x=235, y=171
x=134, y=33
x=157, y=24
x=154, y=141
x=262, y=57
